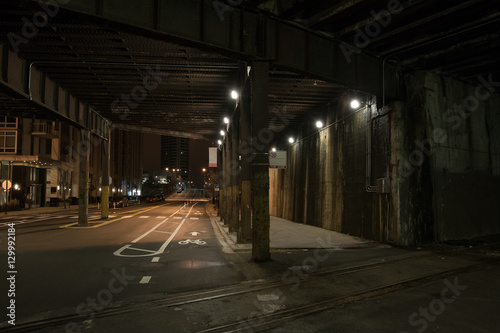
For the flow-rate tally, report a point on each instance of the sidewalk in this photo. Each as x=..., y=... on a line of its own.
x=285, y=234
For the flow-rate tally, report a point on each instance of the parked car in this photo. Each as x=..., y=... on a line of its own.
x=116, y=202
x=151, y=198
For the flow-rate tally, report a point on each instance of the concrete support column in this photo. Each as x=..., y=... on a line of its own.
x=83, y=183
x=235, y=188
x=259, y=80
x=245, y=226
x=224, y=184
x=229, y=183
x=105, y=179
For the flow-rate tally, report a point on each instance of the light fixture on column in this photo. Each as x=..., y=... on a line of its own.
x=234, y=94
x=226, y=120
x=273, y=149
x=319, y=124
x=355, y=104
x=222, y=133
x=291, y=140
x=219, y=142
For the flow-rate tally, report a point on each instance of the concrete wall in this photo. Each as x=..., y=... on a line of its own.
x=325, y=183
x=440, y=147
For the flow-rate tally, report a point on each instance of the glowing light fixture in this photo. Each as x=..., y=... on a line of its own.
x=226, y=120
x=291, y=140
x=222, y=132
x=273, y=150
x=234, y=94
x=319, y=124
x=219, y=142
x=355, y=104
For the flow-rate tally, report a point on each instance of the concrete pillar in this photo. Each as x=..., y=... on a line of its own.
x=228, y=183
x=245, y=226
x=105, y=179
x=235, y=188
x=224, y=184
x=83, y=187
x=259, y=81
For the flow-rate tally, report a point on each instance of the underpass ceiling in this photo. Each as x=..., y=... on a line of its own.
x=459, y=38
x=138, y=81
x=188, y=89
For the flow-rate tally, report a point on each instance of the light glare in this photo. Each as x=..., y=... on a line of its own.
x=234, y=94
x=355, y=104
x=319, y=124
x=291, y=140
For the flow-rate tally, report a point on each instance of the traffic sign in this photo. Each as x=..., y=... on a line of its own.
x=277, y=159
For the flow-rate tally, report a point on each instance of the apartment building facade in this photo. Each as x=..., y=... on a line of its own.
x=39, y=162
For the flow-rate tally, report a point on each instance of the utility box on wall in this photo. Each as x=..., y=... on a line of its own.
x=383, y=186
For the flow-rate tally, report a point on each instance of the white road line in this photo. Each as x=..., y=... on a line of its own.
x=155, y=259
x=145, y=279
x=160, y=217
x=161, y=249
x=177, y=217
x=133, y=248
x=144, y=217
x=163, y=232
x=127, y=217
x=194, y=218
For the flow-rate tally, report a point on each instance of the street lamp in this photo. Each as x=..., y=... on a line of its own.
x=355, y=104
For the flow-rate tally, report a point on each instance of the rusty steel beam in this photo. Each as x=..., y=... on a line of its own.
x=246, y=35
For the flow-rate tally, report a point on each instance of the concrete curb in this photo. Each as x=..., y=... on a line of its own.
x=227, y=240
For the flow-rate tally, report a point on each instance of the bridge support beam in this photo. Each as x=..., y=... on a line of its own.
x=83, y=183
x=245, y=227
x=259, y=80
x=235, y=188
x=105, y=179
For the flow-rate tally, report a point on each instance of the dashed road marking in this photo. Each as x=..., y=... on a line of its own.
x=177, y=217
x=155, y=259
x=160, y=217
x=194, y=218
x=145, y=279
x=144, y=217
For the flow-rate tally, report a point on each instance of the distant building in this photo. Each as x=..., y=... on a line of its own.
x=39, y=162
x=175, y=157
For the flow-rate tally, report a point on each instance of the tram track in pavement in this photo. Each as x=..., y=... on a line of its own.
x=265, y=321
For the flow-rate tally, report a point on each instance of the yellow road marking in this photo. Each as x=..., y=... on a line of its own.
x=129, y=214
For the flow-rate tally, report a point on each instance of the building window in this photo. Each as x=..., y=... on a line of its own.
x=8, y=142
x=8, y=123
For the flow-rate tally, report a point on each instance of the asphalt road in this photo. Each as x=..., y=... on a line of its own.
x=149, y=251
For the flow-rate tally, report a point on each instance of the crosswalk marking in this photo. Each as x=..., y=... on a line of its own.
x=143, y=217
x=161, y=217
x=194, y=218
x=177, y=217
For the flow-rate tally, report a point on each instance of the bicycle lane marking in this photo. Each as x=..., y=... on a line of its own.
x=162, y=248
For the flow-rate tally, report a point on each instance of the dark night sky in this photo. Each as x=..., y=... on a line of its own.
x=198, y=156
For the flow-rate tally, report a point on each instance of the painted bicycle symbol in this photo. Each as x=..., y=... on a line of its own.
x=193, y=241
